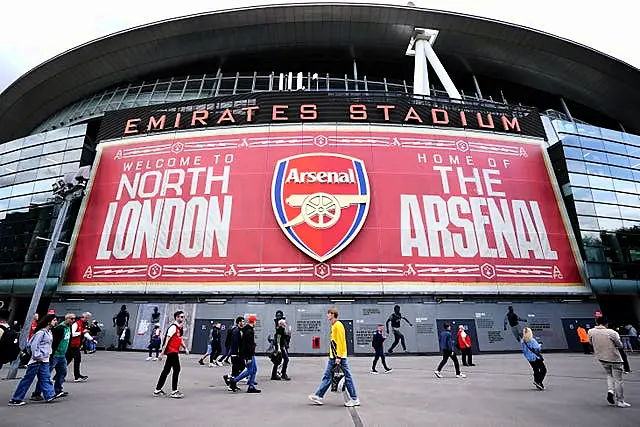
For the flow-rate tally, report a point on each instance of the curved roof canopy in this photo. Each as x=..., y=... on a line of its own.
x=486, y=47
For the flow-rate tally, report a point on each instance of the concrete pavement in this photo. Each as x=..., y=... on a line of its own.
x=497, y=392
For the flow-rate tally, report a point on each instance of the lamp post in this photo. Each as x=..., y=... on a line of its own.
x=65, y=191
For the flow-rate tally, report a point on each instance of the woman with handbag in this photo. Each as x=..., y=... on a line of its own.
x=531, y=350
x=38, y=364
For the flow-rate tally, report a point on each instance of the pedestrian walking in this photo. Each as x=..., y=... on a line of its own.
x=248, y=353
x=281, y=352
x=446, y=346
x=377, y=344
x=513, y=320
x=337, y=356
x=79, y=331
x=584, y=339
x=214, y=348
x=94, y=330
x=173, y=341
x=531, y=350
x=154, y=342
x=235, y=345
x=61, y=335
x=398, y=336
x=606, y=347
x=463, y=341
x=38, y=365
x=121, y=320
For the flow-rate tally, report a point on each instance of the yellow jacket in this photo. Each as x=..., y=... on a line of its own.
x=338, y=336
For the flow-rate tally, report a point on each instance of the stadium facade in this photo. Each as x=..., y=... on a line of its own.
x=294, y=157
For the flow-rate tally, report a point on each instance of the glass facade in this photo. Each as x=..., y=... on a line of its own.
x=28, y=168
x=599, y=172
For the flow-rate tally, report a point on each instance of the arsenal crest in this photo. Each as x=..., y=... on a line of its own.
x=320, y=201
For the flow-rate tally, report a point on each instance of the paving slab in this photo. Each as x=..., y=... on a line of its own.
x=497, y=392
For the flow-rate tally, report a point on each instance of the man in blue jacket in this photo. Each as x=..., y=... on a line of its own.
x=446, y=346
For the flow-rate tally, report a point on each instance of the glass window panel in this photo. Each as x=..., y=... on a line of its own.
x=576, y=166
x=51, y=159
x=630, y=213
x=636, y=175
x=594, y=254
x=8, y=169
x=579, y=179
x=7, y=180
x=31, y=152
x=44, y=185
x=572, y=153
x=26, y=176
x=591, y=143
x=580, y=193
x=75, y=155
x=54, y=147
x=588, y=222
x=572, y=140
x=611, y=211
x=5, y=192
x=618, y=172
x=28, y=163
x=56, y=134
x=609, y=224
x=618, y=160
x=617, y=148
x=20, y=189
x=591, y=238
x=622, y=185
x=77, y=142
x=633, y=151
x=631, y=139
x=604, y=196
x=69, y=167
x=10, y=157
x=588, y=130
x=630, y=224
x=19, y=202
x=4, y=205
x=611, y=134
x=597, y=169
x=595, y=156
x=49, y=172
x=36, y=139
x=628, y=199
x=13, y=145
x=585, y=208
x=77, y=130
x=601, y=182
x=40, y=198
x=565, y=126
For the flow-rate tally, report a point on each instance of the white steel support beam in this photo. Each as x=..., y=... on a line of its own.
x=442, y=74
x=420, y=71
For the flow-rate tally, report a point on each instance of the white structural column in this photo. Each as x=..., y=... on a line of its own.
x=420, y=71
x=420, y=46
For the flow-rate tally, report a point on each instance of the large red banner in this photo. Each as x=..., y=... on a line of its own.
x=324, y=209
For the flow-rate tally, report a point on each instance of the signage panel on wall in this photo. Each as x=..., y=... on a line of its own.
x=318, y=208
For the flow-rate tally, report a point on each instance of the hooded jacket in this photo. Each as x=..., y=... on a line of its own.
x=248, y=344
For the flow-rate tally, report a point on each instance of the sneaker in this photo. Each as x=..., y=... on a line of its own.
x=148, y=358
x=275, y=378
x=62, y=394
x=211, y=365
x=352, y=402
x=155, y=359
x=36, y=398
x=461, y=376
x=539, y=386
x=81, y=379
x=226, y=379
x=52, y=398
x=14, y=402
x=316, y=399
x=176, y=394
x=285, y=377
x=374, y=372
x=438, y=374
x=623, y=404
x=388, y=371
x=390, y=352
x=253, y=390
x=158, y=393
x=610, y=398
x=201, y=362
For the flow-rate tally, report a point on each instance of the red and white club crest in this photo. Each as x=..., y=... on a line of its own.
x=320, y=201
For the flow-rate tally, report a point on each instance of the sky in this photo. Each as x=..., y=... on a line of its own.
x=35, y=31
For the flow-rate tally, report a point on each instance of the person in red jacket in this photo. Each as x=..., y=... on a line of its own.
x=173, y=341
x=79, y=329
x=464, y=343
x=34, y=325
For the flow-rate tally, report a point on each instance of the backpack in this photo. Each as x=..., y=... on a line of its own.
x=9, y=345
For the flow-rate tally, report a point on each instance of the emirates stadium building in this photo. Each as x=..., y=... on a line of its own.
x=301, y=156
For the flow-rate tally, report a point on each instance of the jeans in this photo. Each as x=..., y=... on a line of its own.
x=172, y=361
x=539, y=370
x=326, y=379
x=446, y=354
x=42, y=371
x=250, y=371
x=73, y=353
x=614, y=378
x=398, y=337
x=59, y=363
x=379, y=355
